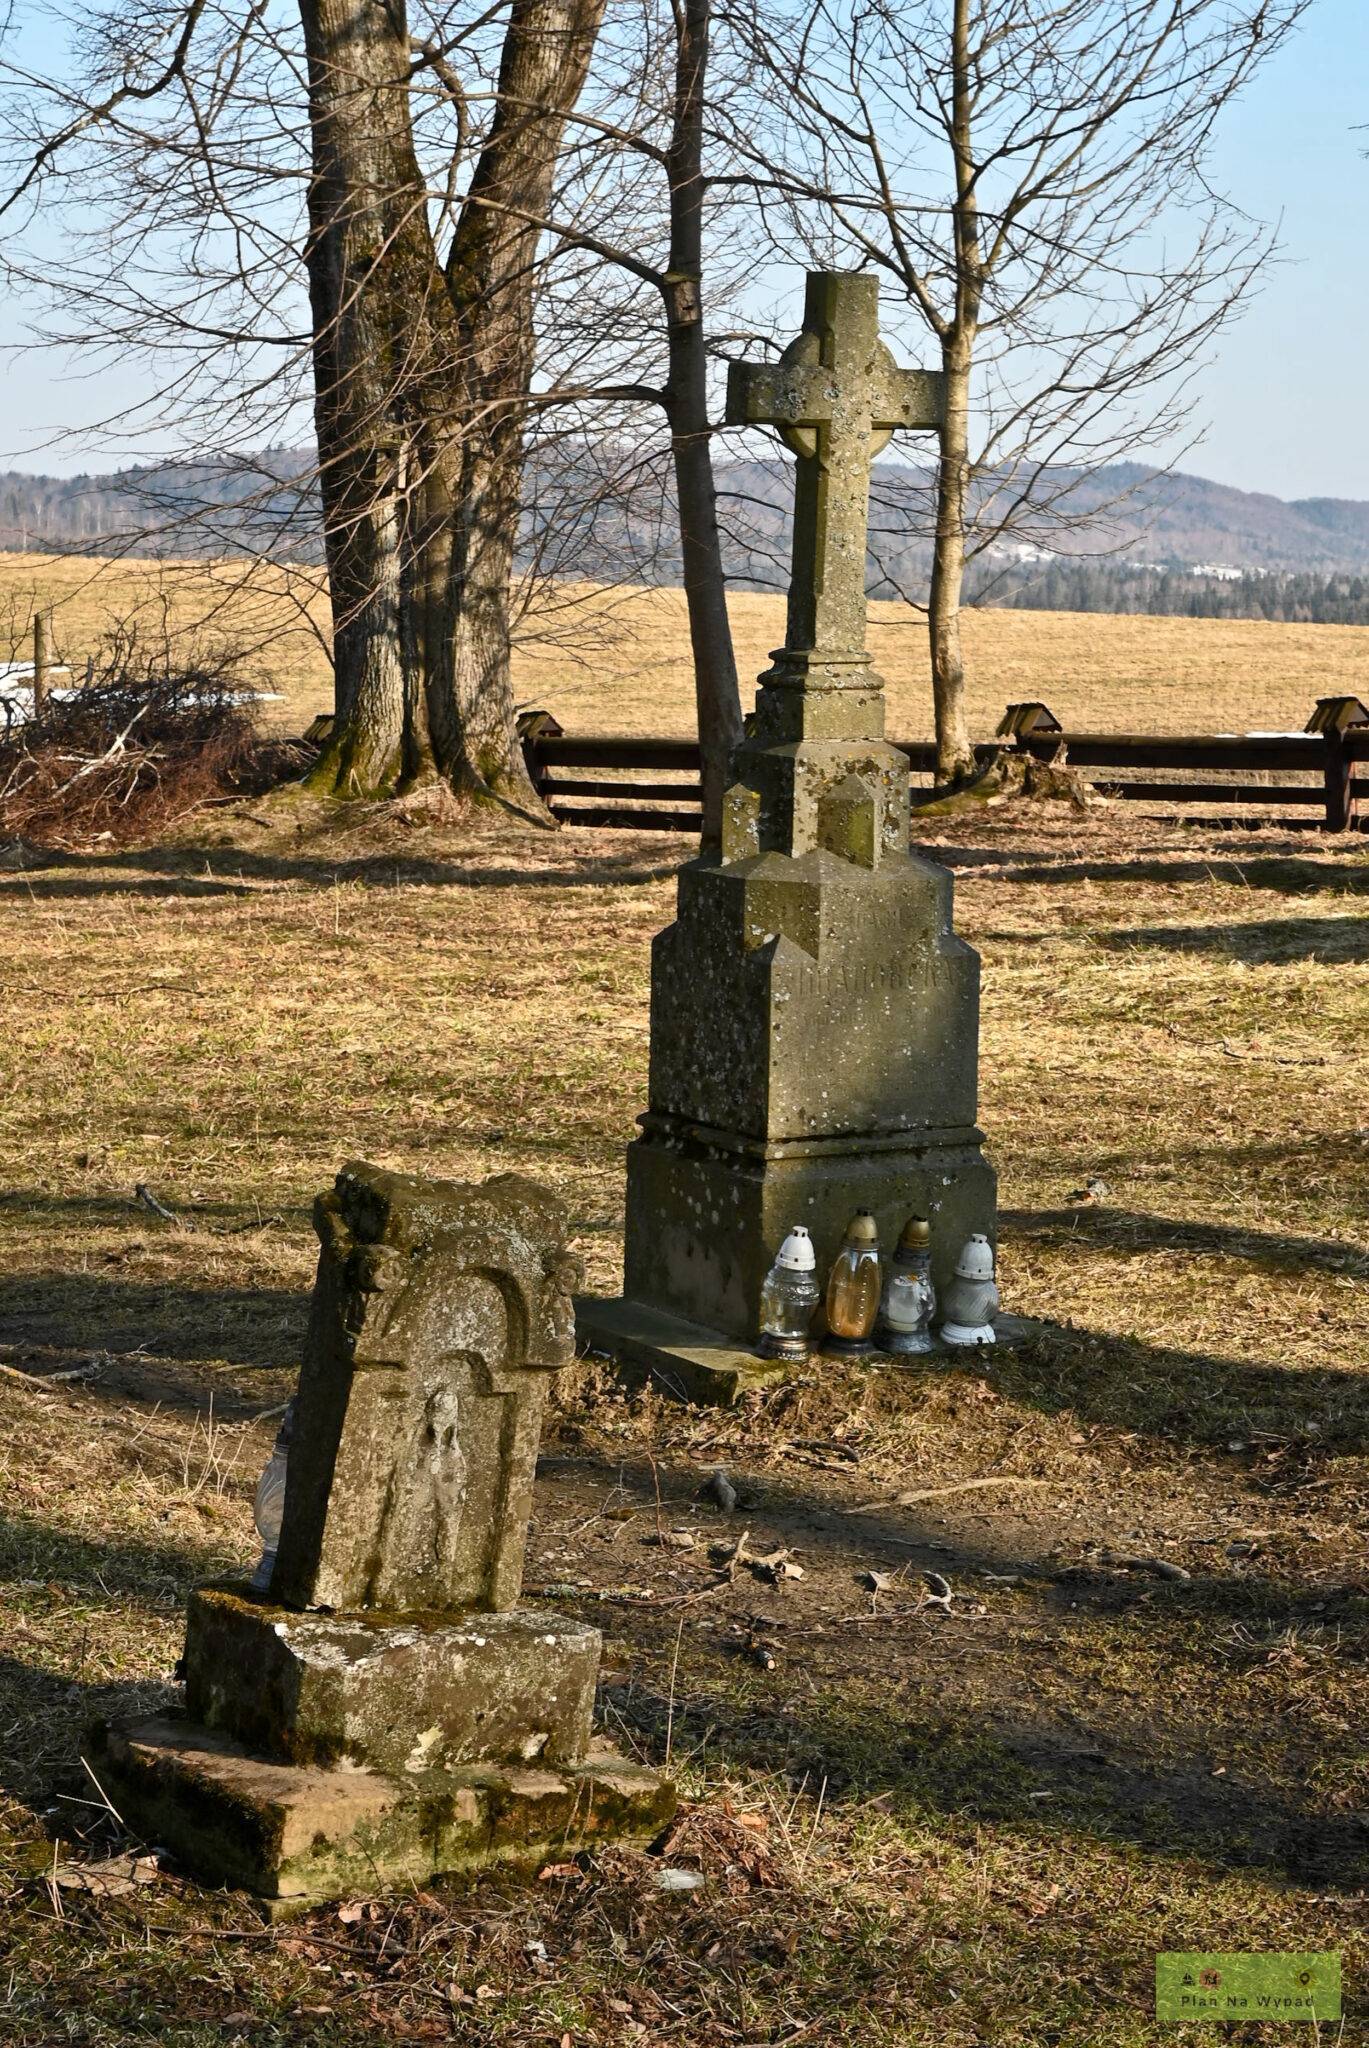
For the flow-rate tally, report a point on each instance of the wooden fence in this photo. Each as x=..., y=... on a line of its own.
x=652, y=785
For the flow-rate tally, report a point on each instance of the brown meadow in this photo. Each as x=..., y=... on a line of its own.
x=618, y=661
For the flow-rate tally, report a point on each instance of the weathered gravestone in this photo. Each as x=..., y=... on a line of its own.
x=814, y=1018
x=387, y=1711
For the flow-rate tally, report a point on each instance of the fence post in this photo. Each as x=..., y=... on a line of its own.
x=42, y=658
x=1337, y=770
x=533, y=728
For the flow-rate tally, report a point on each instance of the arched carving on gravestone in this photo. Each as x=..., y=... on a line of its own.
x=439, y=1315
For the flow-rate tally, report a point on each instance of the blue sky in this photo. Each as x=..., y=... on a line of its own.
x=1283, y=403
x=1285, y=398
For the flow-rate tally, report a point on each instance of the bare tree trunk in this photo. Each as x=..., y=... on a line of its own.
x=422, y=380
x=954, y=753
x=491, y=276
x=42, y=657
x=686, y=405
x=490, y=758
x=371, y=270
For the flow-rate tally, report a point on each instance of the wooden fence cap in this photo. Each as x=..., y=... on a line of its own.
x=1335, y=714
x=1019, y=719
x=539, y=725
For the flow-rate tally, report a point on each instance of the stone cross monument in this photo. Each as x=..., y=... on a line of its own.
x=387, y=1711
x=836, y=396
x=814, y=1018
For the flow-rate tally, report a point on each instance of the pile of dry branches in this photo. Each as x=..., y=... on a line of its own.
x=123, y=758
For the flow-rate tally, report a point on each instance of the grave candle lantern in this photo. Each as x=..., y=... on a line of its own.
x=909, y=1303
x=268, y=1507
x=972, y=1297
x=789, y=1296
x=853, y=1290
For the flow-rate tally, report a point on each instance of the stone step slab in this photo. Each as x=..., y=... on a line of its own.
x=296, y=1835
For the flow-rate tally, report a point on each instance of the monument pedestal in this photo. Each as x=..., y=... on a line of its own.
x=324, y=1753
x=327, y=1753
x=698, y=1364
x=713, y=1213
x=814, y=1051
x=401, y=1693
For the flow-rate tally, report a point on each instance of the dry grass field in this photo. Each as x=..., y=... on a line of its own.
x=1140, y=1727
x=619, y=661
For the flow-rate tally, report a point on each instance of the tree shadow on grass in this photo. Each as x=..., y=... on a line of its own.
x=45, y=1717
x=1010, y=1771
x=62, y=1311
x=1340, y=871
x=231, y=871
x=226, y=1219
x=43, y=1711
x=1341, y=874
x=887, y=1535
x=1280, y=939
x=1135, y=1230
x=153, y=1576
x=62, y=890
x=864, y=1705
x=1194, y=1397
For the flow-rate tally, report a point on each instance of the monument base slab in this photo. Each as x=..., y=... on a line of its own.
x=706, y=1216
x=710, y=1367
x=683, y=1358
x=296, y=1835
x=399, y=1693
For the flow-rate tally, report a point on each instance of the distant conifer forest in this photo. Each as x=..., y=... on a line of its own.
x=1301, y=596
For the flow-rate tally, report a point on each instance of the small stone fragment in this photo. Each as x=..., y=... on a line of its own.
x=720, y=1490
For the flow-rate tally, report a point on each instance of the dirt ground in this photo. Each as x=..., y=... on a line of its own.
x=1135, y=1724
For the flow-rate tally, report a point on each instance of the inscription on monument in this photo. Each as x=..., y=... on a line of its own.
x=910, y=974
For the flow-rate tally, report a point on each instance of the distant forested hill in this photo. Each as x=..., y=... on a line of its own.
x=1140, y=541
x=199, y=508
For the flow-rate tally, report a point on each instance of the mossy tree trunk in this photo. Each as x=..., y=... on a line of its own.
x=491, y=275
x=368, y=239
x=422, y=373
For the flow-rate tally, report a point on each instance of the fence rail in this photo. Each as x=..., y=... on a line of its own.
x=652, y=784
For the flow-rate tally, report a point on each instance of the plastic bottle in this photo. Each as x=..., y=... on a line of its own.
x=268, y=1508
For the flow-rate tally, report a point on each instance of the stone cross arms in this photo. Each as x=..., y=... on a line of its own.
x=836, y=395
